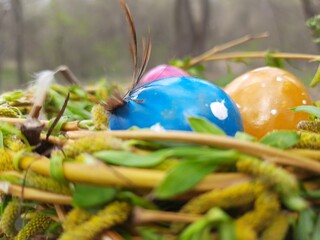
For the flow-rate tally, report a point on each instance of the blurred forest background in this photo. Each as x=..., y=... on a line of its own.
x=92, y=36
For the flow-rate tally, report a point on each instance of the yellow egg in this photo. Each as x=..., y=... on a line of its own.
x=265, y=96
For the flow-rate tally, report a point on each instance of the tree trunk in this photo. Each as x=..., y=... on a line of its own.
x=19, y=35
x=3, y=14
x=191, y=27
x=310, y=10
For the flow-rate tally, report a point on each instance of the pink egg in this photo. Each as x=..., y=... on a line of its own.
x=161, y=71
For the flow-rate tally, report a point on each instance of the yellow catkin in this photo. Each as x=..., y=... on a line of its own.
x=266, y=207
x=91, y=144
x=46, y=183
x=99, y=117
x=14, y=143
x=38, y=223
x=309, y=140
x=6, y=163
x=312, y=126
x=269, y=173
x=244, y=232
x=114, y=214
x=8, y=112
x=75, y=217
x=234, y=196
x=278, y=228
x=8, y=219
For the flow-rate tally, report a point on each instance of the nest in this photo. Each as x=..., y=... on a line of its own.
x=72, y=178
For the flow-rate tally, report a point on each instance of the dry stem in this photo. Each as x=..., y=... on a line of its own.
x=142, y=216
x=261, y=54
x=255, y=149
x=224, y=47
x=106, y=175
x=68, y=126
x=35, y=194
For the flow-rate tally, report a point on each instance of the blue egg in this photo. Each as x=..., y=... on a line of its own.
x=168, y=102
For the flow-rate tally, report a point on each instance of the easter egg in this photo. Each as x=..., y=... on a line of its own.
x=161, y=71
x=265, y=96
x=167, y=103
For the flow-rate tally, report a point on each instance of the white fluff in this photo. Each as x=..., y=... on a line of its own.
x=43, y=80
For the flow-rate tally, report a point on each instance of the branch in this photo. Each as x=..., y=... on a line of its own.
x=255, y=149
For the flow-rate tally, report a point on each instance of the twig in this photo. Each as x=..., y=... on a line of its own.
x=60, y=212
x=309, y=153
x=34, y=194
x=142, y=216
x=54, y=140
x=139, y=178
x=68, y=126
x=261, y=54
x=224, y=47
x=68, y=75
x=254, y=149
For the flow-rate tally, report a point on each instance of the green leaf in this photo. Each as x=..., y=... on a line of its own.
x=308, y=109
x=1, y=140
x=227, y=231
x=190, y=172
x=135, y=200
x=316, y=78
x=281, y=139
x=13, y=96
x=88, y=196
x=183, y=177
x=201, y=229
x=56, y=167
x=129, y=159
x=202, y=125
x=58, y=126
x=274, y=62
x=316, y=230
x=148, y=233
x=304, y=225
x=245, y=137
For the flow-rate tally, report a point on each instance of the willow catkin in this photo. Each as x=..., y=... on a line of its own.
x=269, y=173
x=6, y=163
x=244, y=232
x=278, y=228
x=9, y=112
x=75, y=217
x=8, y=219
x=14, y=143
x=312, y=126
x=46, y=183
x=91, y=144
x=234, y=196
x=99, y=117
x=115, y=213
x=309, y=140
x=265, y=208
x=38, y=223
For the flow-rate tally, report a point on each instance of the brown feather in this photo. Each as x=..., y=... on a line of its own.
x=133, y=45
x=116, y=100
x=146, y=52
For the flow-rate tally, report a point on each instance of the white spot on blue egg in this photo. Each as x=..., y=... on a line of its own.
x=157, y=128
x=219, y=110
